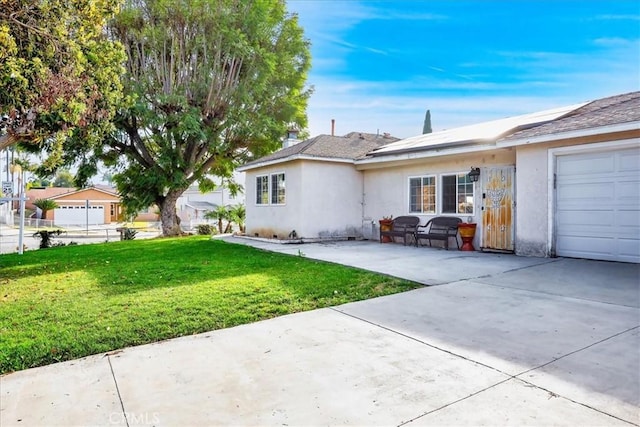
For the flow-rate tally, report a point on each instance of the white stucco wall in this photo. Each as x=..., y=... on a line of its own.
x=323, y=199
x=387, y=189
x=331, y=200
x=532, y=180
x=274, y=220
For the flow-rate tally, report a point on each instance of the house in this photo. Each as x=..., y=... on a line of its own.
x=105, y=207
x=561, y=182
x=87, y=206
x=310, y=189
x=194, y=204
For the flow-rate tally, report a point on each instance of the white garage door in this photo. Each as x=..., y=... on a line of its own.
x=598, y=205
x=77, y=215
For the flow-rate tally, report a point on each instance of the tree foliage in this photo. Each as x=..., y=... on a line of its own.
x=212, y=83
x=238, y=214
x=45, y=205
x=63, y=178
x=59, y=74
x=426, y=127
x=220, y=214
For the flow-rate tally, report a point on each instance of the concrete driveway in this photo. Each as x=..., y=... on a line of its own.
x=501, y=340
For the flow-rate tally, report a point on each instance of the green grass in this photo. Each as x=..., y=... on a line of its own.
x=63, y=303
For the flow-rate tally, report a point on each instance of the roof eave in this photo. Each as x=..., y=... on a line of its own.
x=424, y=154
x=465, y=143
x=580, y=133
x=292, y=158
x=71, y=193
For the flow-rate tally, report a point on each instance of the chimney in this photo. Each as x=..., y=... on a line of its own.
x=333, y=126
x=291, y=139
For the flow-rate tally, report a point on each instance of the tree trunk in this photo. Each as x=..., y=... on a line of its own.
x=168, y=215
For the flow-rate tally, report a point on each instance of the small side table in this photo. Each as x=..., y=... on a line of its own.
x=467, y=232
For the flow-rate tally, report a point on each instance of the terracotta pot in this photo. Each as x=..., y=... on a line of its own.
x=385, y=225
x=467, y=232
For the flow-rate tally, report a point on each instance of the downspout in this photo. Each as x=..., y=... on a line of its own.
x=362, y=216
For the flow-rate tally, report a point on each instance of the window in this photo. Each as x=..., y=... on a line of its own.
x=270, y=189
x=457, y=194
x=262, y=190
x=422, y=194
x=277, y=189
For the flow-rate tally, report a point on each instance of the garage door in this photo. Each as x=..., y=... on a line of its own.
x=77, y=215
x=598, y=205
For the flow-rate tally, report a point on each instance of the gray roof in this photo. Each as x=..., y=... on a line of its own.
x=608, y=111
x=350, y=146
x=201, y=205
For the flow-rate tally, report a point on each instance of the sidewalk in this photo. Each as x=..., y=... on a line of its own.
x=9, y=236
x=502, y=340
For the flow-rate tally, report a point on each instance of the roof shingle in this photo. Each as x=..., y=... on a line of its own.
x=612, y=110
x=350, y=146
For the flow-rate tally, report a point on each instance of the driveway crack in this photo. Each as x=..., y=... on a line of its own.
x=578, y=350
x=115, y=381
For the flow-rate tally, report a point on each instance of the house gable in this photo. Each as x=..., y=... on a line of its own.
x=325, y=148
x=88, y=194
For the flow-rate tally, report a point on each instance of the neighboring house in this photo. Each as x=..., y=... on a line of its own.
x=309, y=190
x=96, y=205
x=87, y=206
x=193, y=204
x=562, y=182
x=37, y=193
x=105, y=206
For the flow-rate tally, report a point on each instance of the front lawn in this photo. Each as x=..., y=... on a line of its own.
x=68, y=302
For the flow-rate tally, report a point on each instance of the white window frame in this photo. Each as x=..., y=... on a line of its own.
x=275, y=189
x=435, y=189
x=271, y=190
x=471, y=203
x=260, y=200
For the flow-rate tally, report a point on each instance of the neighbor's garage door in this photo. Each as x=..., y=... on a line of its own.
x=598, y=205
x=77, y=215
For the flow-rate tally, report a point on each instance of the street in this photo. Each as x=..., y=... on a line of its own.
x=9, y=237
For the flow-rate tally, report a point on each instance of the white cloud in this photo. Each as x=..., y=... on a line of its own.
x=618, y=17
x=618, y=42
x=389, y=107
x=503, y=83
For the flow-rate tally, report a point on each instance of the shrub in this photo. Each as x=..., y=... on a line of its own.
x=129, y=234
x=46, y=238
x=205, y=229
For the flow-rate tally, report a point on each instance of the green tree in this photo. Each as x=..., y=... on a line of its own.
x=426, y=127
x=45, y=205
x=63, y=178
x=220, y=214
x=108, y=178
x=59, y=74
x=213, y=83
x=238, y=214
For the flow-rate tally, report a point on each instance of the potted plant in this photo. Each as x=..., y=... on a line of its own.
x=386, y=224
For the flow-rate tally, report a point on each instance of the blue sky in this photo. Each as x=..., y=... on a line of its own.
x=379, y=65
